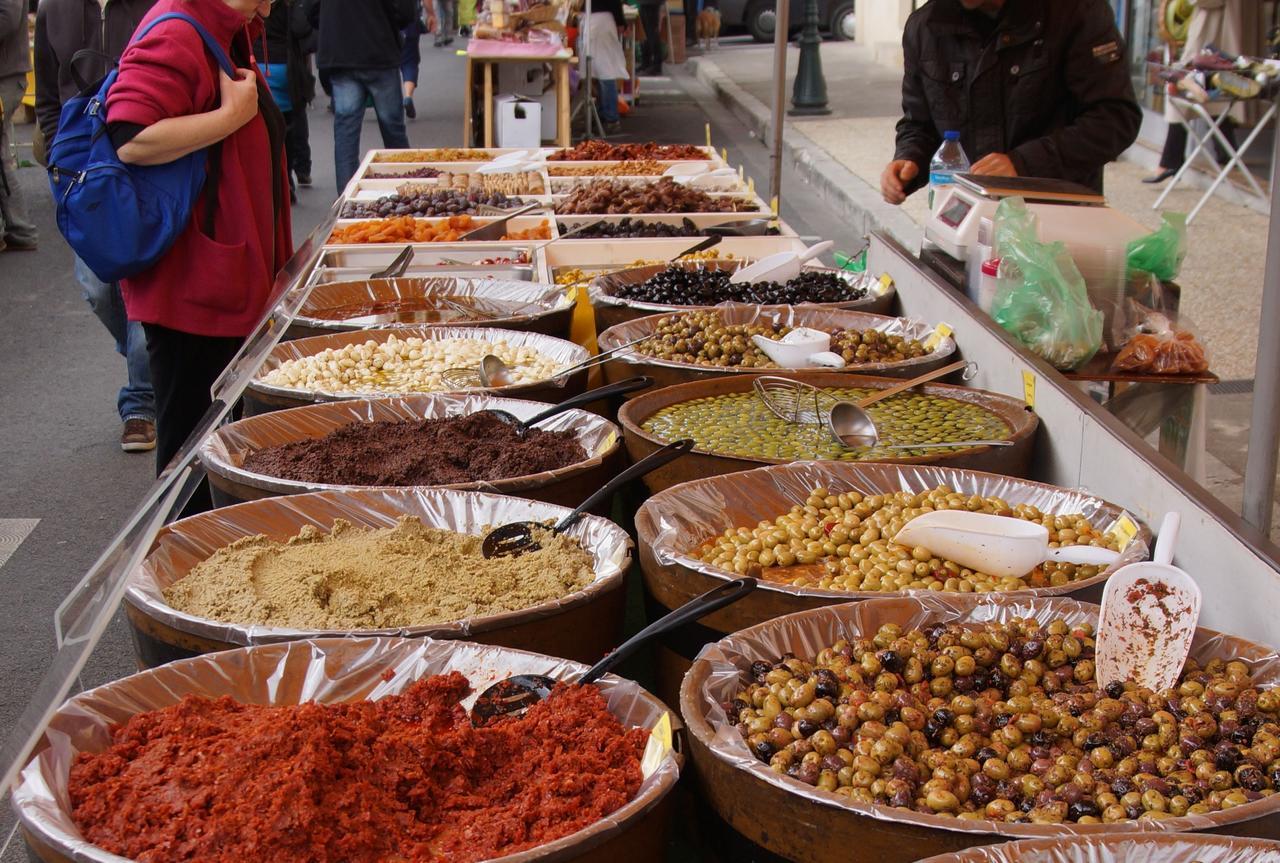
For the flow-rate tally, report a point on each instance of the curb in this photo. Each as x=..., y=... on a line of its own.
x=860, y=205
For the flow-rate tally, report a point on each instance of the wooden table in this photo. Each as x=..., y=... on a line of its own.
x=488, y=69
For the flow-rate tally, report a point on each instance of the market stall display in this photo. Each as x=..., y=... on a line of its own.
x=735, y=431
x=665, y=195
x=381, y=562
x=409, y=360
x=880, y=645
x=705, y=344
x=603, y=151
x=337, y=306
x=391, y=452
x=633, y=168
x=408, y=229
x=401, y=696
x=429, y=202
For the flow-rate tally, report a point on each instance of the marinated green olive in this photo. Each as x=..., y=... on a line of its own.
x=1019, y=759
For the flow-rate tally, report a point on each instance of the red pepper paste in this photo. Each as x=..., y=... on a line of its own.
x=405, y=778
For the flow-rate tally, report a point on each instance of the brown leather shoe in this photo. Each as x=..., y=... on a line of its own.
x=139, y=435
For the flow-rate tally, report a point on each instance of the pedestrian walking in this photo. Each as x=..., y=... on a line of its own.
x=207, y=293
x=608, y=61
x=446, y=22
x=16, y=228
x=64, y=28
x=411, y=58
x=651, y=51
x=359, y=49
x=283, y=61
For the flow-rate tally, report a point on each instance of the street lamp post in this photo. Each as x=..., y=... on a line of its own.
x=810, y=93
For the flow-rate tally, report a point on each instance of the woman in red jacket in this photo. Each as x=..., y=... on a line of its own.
x=210, y=289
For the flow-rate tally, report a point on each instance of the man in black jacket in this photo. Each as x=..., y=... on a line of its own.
x=64, y=27
x=360, y=50
x=1036, y=88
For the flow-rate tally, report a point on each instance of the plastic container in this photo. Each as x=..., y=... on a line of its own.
x=986, y=292
x=946, y=163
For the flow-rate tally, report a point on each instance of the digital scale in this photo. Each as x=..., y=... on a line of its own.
x=1073, y=214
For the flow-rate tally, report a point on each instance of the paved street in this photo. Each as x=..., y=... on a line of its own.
x=65, y=486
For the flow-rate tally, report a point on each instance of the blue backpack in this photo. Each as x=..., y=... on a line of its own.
x=120, y=219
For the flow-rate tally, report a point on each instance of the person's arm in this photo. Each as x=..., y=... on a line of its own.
x=174, y=137
x=48, y=98
x=917, y=134
x=13, y=14
x=1109, y=118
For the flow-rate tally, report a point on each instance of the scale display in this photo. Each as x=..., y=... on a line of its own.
x=955, y=212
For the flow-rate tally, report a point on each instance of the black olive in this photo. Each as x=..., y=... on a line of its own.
x=1225, y=757
x=759, y=669
x=1094, y=740
x=1040, y=738
x=1115, y=689
x=1121, y=786
x=764, y=750
x=984, y=753
x=1242, y=736
x=933, y=632
x=1080, y=808
x=943, y=716
x=1251, y=778
x=807, y=728
x=891, y=660
x=1002, y=719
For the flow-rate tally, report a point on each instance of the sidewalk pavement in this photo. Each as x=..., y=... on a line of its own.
x=843, y=154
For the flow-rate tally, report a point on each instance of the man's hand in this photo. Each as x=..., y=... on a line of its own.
x=239, y=97
x=894, y=179
x=994, y=165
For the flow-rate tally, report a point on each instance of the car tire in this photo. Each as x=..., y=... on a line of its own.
x=843, y=22
x=761, y=20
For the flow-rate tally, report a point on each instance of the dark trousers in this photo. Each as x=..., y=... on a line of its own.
x=1174, y=154
x=650, y=19
x=297, y=142
x=183, y=369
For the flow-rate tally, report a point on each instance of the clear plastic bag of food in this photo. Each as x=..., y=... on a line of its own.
x=1155, y=344
x=1040, y=296
x=1160, y=253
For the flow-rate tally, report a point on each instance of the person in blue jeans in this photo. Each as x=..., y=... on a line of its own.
x=359, y=50
x=137, y=400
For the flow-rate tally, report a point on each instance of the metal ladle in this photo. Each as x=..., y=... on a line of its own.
x=522, y=426
x=852, y=427
x=517, y=537
x=512, y=696
x=493, y=372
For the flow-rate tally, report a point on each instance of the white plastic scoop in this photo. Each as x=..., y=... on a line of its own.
x=709, y=180
x=1149, y=615
x=686, y=169
x=995, y=544
x=799, y=348
x=779, y=267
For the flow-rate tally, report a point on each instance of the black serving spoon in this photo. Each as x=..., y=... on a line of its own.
x=522, y=426
x=512, y=696
x=514, y=539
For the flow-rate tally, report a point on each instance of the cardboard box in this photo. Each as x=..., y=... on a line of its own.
x=521, y=79
x=519, y=121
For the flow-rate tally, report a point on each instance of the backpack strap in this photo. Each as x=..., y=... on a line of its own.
x=209, y=42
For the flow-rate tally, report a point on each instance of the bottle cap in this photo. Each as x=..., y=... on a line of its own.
x=991, y=267
x=951, y=135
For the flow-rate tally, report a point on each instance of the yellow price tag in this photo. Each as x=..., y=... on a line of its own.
x=773, y=205
x=708, y=136
x=742, y=173
x=659, y=744
x=1029, y=388
x=724, y=154
x=1123, y=529
x=751, y=185
x=884, y=284
x=940, y=332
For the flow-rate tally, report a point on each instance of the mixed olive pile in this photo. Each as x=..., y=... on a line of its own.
x=740, y=425
x=1005, y=722
x=630, y=228
x=703, y=338
x=845, y=542
x=696, y=286
x=664, y=195
x=437, y=202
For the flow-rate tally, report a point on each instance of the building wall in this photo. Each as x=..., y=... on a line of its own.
x=880, y=25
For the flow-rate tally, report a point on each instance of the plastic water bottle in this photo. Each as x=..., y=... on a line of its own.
x=946, y=163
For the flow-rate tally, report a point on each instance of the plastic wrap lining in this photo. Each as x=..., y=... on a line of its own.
x=564, y=353
x=224, y=451
x=1124, y=848
x=672, y=524
x=719, y=671
x=180, y=546
x=328, y=671
x=819, y=317
x=605, y=285
x=528, y=300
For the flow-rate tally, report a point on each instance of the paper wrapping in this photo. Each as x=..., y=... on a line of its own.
x=605, y=285
x=328, y=671
x=563, y=352
x=530, y=300
x=806, y=633
x=181, y=545
x=1124, y=848
x=819, y=317
x=673, y=523
x=225, y=450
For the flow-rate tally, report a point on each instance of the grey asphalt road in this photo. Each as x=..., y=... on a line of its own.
x=65, y=486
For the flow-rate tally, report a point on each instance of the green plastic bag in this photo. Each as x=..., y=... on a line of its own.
x=1160, y=253
x=1040, y=295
